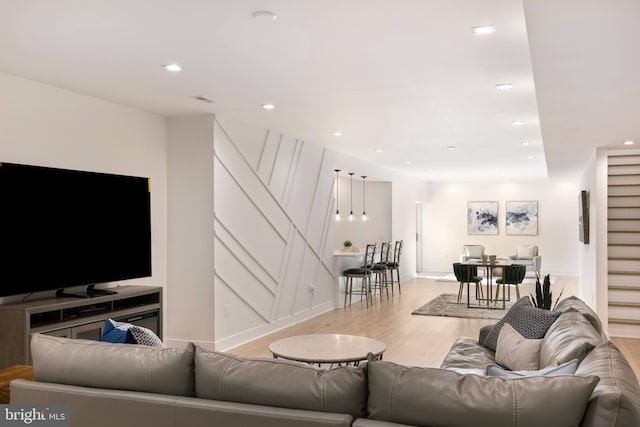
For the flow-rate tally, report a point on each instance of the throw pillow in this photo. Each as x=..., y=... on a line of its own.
x=126, y=333
x=439, y=397
x=525, y=252
x=474, y=251
x=529, y=321
x=516, y=352
x=568, y=368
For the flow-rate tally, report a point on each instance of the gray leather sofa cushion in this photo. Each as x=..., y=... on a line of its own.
x=113, y=366
x=616, y=400
x=94, y=407
x=572, y=336
x=280, y=383
x=468, y=354
x=575, y=304
x=437, y=397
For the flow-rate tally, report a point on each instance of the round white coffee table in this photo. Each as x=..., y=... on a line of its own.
x=335, y=349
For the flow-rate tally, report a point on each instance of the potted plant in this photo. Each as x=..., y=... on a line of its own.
x=347, y=245
x=544, y=294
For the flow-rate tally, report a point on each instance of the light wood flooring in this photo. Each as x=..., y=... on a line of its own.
x=411, y=339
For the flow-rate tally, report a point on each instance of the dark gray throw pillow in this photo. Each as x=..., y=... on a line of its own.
x=529, y=321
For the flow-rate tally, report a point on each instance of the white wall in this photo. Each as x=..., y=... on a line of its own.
x=377, y=227
x=190, y=269
x=445, y=227
x=406, y=192
x=588, y=252
x=46, y=126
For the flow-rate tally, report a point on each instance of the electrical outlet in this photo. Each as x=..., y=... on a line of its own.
x=312, y=288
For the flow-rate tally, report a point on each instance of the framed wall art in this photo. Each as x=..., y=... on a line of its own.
x=583, y=216
x=522, y=218
x=482, y=217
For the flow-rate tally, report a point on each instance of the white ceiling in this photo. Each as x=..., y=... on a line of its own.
x=407, y=76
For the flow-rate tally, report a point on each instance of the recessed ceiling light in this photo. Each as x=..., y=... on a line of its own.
x=629, y=142
x=172, y=67
x=268, y=106
x=379, y=150
x=517, y=122
x=451, y=147
x=504, y=86
x=337, y=133
x=264, y=14
x=408, y=162
x=530, y=157
x=525, y=143
x=486, y=29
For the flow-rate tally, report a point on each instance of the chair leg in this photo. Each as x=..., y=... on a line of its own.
x=460, y=292
x=517, y=292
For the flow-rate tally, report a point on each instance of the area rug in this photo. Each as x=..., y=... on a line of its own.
x=446, y=305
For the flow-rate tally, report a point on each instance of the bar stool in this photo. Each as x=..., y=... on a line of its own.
x=395, y=264
x=380, y=269
x=363, y=273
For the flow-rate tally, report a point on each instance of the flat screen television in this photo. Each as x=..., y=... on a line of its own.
x=62, y=228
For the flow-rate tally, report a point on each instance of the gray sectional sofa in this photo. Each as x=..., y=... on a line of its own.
x=129, y=385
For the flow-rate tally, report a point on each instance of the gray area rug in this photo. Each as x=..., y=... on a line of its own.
x=446, y=305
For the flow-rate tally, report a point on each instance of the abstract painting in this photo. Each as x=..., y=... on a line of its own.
x=482, y=218
x=522, y=218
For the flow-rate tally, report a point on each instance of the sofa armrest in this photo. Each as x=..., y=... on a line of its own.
x=484, y=331
x=513, y=257
x=537, y=263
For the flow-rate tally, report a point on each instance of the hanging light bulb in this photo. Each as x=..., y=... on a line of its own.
x=337, y=199
x=351, y=213
x=364, y=212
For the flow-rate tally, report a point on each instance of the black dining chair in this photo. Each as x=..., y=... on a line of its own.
x=464, y=274
x=513, y=275
x=363, y=273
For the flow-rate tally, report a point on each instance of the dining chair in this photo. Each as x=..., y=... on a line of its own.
x=467, y=274
x=513, y=275
x=363, y=273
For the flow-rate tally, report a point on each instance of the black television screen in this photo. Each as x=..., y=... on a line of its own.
x=61, y=228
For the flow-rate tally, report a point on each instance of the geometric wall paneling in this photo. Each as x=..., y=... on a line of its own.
x=240, y=216
x=322, y=198
x=281, y=173
x=292, y=279
x=304, y=183
x=268, y=156
x=273, y=202
x=248, y=140
x=249, y=183
x=249, y=263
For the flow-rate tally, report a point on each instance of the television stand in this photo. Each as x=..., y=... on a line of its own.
x=75, y=317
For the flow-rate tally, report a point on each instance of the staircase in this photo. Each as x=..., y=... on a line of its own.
x=624, y=245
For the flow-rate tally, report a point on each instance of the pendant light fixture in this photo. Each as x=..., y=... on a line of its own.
x=337, y=198
x=351, y=213
x=364, y=212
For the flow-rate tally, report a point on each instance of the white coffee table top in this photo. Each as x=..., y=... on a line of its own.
x=327, y=348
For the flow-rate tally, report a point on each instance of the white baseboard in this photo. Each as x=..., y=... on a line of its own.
x=224, y=344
